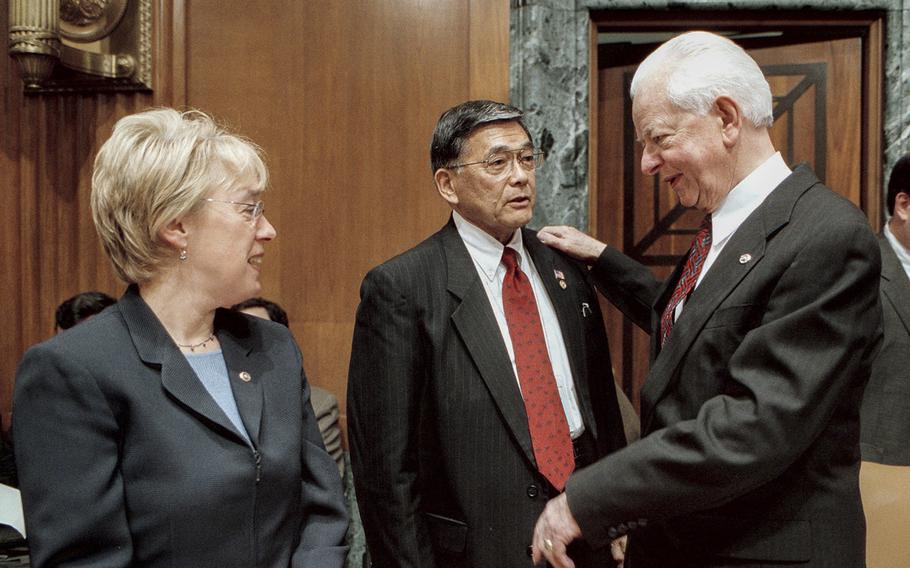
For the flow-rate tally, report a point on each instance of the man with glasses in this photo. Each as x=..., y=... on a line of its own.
x=480, y=374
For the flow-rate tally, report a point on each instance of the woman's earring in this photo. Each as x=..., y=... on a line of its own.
x=182, y=254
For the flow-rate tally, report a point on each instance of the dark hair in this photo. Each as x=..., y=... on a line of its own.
x=899, y=182
x=456, y=125
x=80, y=307
x=276, y=313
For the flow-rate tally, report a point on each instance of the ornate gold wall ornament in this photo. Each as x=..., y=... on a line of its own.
x=101, y=45
x=90, y=20
x=33, y=38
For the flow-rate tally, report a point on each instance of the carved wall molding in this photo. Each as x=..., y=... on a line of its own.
x=66, y=46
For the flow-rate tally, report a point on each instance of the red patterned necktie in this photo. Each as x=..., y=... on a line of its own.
x=697, y=253
x=546, y=418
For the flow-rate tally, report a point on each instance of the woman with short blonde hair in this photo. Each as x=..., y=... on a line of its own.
x=168, y=430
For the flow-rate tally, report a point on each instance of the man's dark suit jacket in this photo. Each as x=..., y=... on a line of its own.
x=750, y=413
x=885, y=413
x=443, y=465
x=126, y=460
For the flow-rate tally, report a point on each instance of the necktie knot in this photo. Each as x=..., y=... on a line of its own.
x=703, y=237
x=510, y=259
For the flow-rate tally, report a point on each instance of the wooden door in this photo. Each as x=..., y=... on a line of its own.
x=817, y=92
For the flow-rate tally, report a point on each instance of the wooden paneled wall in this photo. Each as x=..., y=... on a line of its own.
x=342, y=97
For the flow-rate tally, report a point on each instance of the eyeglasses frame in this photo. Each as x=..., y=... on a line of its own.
x=258, y=207
x=538, y=159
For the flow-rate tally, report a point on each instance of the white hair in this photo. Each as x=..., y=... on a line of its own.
x=698, y=67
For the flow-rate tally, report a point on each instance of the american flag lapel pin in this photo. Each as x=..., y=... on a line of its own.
x=561, y=278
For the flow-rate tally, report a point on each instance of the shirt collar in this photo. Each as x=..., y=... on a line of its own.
x=903, y=255
x=746, y=196
x=483, y=248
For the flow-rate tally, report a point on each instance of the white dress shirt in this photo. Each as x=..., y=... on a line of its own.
x=742, y=200
x=486, y=252
x=903, y=255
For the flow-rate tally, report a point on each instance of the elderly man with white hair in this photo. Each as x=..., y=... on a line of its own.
x=761, y=342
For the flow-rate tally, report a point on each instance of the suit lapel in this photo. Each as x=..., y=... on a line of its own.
x=477, y=327
x=244, y=377
x=722, y=278
x=156, y=349
x=894, y=284
x=568, y=308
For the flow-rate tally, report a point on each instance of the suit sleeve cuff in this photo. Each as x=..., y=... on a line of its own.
x=585, y=496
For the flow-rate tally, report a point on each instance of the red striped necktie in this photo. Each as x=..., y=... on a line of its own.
x=546, y=417
x=697, y=254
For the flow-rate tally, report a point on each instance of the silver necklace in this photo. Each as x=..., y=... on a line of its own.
x=202, y=343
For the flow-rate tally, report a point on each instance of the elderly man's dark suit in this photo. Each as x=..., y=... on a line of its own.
x=126, y=460
x=443, y=463
x=750, y=413
x=886, y=404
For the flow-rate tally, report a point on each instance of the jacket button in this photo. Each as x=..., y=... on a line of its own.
x=533, y=491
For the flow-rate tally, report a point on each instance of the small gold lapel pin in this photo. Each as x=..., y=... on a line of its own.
x=743, y=259
x=245, y=377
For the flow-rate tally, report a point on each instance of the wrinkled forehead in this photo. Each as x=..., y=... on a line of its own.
x=648, y=107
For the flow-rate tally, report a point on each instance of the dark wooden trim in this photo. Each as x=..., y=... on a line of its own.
x=593, y=128
x=169, y=56
x=872, y=136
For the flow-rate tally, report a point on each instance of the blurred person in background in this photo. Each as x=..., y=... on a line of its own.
x=71, y=311
x=885, y=415
x=325, y=405
x=79, y=308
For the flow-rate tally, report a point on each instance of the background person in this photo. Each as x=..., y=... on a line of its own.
x=324, y=403
x=80, y=307
x=168, y=431
x=465, y=414
x=71, y=311
x=885, y=413
x=762, y=341
x=886, y=403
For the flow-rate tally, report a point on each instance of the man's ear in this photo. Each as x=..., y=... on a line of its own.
x=444, y=179
x=174, y=234
x=731, y=119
